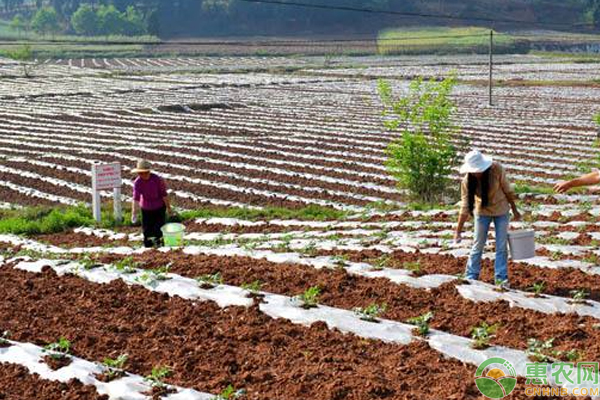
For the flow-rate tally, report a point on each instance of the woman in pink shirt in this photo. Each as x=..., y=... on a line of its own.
x=150, y=195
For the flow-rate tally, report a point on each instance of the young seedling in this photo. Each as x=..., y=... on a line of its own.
x=556, y=255
x=422, y=323
x=114, y=367
x=381, y=262
x=209, y=281
x=537, y=289
x=340, y=261
x=230, y=393
x=414, y=267
x=501, y=286
x=462, y=279
x=4, y=339
x=127, y=265
x=571, y=355
x=371, y=313
x=254, y=287
x=310, y=249
x=285, y=243
x=482, y=335
x=310, y=298
x=540, y=351
x=156, y=378
x=579, y=296
x=592, y=258
x=88, y=263
x=60, y=349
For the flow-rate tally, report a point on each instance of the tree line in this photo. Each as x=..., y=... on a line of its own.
x=168, y=18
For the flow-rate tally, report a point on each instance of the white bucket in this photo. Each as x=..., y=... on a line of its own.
x=522, y=244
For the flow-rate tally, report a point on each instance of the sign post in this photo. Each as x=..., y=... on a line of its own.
x=107, y=177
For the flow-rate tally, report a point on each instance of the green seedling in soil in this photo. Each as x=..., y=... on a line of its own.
x=230, y=393
x=537, y=289
x=88, y=262
x=556, y=255
x=340, y=261
x=501, y=286
x=127, y=265
x=554, y=240
x=371, y=313
x=482, y=335
x=540, y=351
x=310, y=249
x=4, y=338
x=310, y=298
x=254, y=287
x=414, y=267
x=156, y=378
x=381, y=262
x=114, y=367
x=210, y=280
x=571, y=355
x=462, y=278
x=579, y=296
x=285, y=243
x=59, y=349
x=422, y=323
x=591, y=258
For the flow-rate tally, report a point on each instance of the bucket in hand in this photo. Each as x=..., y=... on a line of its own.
x=173, y=234
x=522, y=244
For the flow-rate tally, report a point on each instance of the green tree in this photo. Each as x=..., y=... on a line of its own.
x=45, y=21
x=112, y=22
x=134, y=22
x=422, y=159
x=85, y=21
x=18, y=24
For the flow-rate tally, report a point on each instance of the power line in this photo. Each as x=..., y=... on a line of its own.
x=408, y=14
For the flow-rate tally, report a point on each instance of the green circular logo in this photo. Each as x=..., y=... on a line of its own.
x=499, y=381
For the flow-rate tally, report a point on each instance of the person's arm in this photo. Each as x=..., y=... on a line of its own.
x=593, y=178
x=511, y=196
x=135, y=204
x=135, y=209
x=463, y=215
x=165, y=195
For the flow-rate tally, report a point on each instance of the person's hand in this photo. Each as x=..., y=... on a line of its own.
x=562, y=187
x=457, y=237
x=517, y=216
x=134, y=219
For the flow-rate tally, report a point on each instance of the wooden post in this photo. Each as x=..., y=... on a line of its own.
x=491, y=81
x=117, y=206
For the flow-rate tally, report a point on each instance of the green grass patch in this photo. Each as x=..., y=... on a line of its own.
x=444, y=40
x=309, y=213
x=44, y=220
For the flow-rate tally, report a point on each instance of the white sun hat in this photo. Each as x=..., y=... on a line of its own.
x=475, y=162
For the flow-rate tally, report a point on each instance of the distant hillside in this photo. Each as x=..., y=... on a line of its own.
x=169, y=18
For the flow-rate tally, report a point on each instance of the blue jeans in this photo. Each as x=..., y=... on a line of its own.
x=482, y=227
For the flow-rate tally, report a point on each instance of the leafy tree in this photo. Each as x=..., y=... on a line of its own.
x=112, y=22
x=134, y=22
x=422, y=159
x=85, y=21
x=18, y=23
x=45, y=21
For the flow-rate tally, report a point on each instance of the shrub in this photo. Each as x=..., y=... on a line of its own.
x=423, y=157
x=85, y=20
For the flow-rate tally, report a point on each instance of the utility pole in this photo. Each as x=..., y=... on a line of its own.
x=491, y=82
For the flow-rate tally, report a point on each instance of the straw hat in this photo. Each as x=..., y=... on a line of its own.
x=475, y=162
x=142, y=166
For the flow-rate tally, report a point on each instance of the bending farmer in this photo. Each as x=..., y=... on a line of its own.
x=150, y=195
x=487, y=194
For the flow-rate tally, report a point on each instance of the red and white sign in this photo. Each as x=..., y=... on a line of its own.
x=106, y=176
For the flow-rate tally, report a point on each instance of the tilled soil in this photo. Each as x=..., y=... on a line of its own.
x=17, y=383
x=209, y=348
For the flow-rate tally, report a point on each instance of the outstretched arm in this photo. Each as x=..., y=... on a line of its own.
x=593, y=178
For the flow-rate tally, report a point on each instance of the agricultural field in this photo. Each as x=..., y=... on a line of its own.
x=351, y=293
